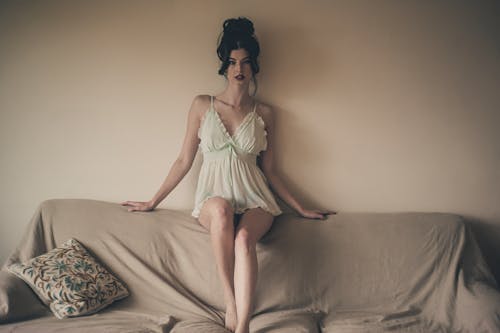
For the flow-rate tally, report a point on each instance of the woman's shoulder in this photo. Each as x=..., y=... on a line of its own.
x=265, y=111
x=263, y=107
x=201, y=100
x=200, y=104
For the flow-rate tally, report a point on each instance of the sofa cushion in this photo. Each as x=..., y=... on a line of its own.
x=199, y=325
x=287, y=321
x=108, y=320
x=376, y=321
x=70, y=281
x=283, y=321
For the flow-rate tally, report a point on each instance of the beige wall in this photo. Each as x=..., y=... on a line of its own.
x=382, y=106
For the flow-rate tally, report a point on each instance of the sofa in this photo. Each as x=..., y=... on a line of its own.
x=353, y=272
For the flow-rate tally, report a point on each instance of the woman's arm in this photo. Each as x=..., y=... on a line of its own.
x=184, y=161
x=267, y=163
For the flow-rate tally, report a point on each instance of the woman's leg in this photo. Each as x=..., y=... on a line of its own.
x=216, y=216
x=253, y=225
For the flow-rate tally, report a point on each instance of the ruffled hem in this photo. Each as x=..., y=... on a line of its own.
x=242, y=210
x=197, y=210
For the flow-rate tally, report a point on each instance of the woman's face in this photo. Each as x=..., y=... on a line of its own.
x=239, y=70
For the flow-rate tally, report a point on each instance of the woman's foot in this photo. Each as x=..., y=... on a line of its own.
x=245, y=328
x=231, y=321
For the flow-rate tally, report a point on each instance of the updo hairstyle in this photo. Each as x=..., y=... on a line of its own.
x=238, y=33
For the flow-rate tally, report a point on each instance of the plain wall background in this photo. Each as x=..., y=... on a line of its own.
x=381, y=106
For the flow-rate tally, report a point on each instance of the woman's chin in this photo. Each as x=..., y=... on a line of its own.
x=240, y=83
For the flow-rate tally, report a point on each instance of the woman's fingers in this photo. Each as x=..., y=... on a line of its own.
x=316, y=215
x=321, y=213
x=325, y=211
x=131, y=203
x=135, y=208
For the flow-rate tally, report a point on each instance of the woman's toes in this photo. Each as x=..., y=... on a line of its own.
x=230, y=320
x=242, y=330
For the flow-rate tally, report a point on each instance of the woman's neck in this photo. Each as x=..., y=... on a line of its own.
x=236, y=96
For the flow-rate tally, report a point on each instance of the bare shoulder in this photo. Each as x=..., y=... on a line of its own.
x=201, y=102
x=199, y=105
x=266, y=111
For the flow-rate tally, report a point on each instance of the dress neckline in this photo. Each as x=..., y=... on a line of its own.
x=240, y=125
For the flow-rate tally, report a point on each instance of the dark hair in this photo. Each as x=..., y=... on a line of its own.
x=238, y=33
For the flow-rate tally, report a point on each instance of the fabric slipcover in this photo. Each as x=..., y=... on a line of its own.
x=354, y=272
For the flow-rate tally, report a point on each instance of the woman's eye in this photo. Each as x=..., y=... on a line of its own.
x=233, y=62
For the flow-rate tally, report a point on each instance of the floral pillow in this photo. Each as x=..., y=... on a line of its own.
x=70, y=281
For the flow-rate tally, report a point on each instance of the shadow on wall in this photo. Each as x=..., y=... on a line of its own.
x=294, y=63
x=289, y=143
x=487, y=236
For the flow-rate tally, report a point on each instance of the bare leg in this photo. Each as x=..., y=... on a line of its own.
x=253, y=225
x=217, y=217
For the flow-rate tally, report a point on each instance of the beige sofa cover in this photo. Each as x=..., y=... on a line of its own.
x=354, y=272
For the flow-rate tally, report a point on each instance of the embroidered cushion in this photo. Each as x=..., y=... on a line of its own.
x=70, y=281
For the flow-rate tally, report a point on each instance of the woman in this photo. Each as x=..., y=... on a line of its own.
x=233, y=200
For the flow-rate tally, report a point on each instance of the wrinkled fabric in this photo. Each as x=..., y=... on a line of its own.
x=353, y=272
x=109, y=321
x=229, y=168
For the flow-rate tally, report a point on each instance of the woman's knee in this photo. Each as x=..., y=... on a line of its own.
x=243, y=241
x=221, y=213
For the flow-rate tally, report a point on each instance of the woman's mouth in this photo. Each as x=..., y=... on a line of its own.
x=240, y=77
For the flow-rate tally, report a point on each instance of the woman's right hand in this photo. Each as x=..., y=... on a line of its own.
x=142, y=206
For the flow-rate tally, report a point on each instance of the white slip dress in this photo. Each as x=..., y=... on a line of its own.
x=229, y=168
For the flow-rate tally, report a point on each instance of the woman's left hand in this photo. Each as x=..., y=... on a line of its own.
x=316, y=213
